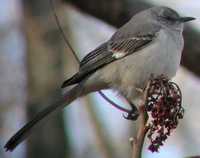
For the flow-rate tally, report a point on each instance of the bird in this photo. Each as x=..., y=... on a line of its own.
x=151, y=42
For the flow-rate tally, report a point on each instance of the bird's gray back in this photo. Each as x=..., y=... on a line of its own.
x=139, y=25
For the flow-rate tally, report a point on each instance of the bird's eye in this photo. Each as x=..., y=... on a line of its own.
x=169, y=18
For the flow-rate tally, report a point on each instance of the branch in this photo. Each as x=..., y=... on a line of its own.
x=138, y=141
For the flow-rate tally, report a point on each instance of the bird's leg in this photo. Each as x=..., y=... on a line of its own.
x=133, y=113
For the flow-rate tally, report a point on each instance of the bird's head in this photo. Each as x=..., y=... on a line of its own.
x=168, y=17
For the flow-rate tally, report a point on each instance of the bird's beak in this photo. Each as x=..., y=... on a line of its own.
x=185, y=19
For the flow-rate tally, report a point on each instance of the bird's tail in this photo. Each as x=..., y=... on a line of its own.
x=62, y=101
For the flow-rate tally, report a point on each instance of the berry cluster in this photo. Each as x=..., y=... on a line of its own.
x=164, y=108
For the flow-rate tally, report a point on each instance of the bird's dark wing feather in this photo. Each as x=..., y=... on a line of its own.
x=107, y=53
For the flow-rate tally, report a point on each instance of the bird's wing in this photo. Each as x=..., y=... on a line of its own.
x=107, y=53
x=113, y=50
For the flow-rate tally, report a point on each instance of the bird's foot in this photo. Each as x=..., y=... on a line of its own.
x=132, y=114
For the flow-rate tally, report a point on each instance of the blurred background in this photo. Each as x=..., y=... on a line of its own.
x=35, y=60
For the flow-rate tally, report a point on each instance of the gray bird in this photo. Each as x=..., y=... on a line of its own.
x=150, y=43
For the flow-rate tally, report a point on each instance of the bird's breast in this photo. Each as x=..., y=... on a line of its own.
x=160, y=57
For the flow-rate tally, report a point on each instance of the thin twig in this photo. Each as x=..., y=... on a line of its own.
x=138, y=141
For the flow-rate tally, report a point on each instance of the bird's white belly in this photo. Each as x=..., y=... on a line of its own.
x=133, y=71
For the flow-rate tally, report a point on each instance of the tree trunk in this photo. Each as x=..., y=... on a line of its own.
x=45, y=76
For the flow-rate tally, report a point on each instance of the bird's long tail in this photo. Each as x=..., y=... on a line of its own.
x=61, y=102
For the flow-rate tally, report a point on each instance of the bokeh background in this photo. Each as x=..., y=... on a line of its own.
x=35, y=60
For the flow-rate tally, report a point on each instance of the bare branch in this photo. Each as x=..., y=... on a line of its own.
x=138, y=141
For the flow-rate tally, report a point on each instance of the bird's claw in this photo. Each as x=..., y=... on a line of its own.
x=131, y=115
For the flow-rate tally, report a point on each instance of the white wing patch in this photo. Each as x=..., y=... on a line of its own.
x=124, y=47
x=118, y=55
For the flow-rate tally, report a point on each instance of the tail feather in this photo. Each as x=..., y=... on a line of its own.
x=64, y=100
x=73, y=80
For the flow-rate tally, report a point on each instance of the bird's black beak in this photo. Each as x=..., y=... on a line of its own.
x=185, y=19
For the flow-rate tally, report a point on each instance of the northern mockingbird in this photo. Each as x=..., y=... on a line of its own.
x=150, y=43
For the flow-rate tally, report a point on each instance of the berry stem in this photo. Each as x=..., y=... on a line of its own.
x=138, y=141
x=141, y=133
